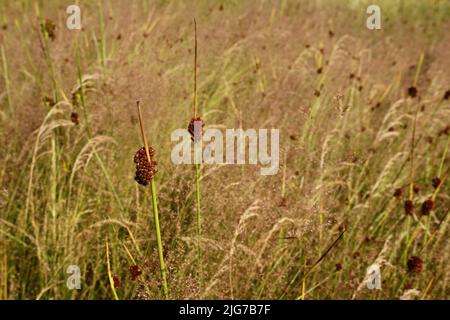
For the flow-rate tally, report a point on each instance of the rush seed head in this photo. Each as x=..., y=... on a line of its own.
x=412, y=92
x=196, y=123
x=116, y=280
x=436, y=182
x=135, y=272
x=48, y=101
x=145, y=170
x=48, y=27
x=415, y=264
x=447, y=95
x=427, y=206
x=409, y=207
x=74, y=118
x=398, y=193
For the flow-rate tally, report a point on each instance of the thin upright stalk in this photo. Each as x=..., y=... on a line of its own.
x=158, y=239
x=197, y=170
x=199, y=226
x=155, y=209
x=195, y=69
x=6, y=79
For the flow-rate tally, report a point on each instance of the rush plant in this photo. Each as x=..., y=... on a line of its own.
x=145, y=172
x=195, y=128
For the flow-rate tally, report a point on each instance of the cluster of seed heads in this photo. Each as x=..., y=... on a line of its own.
x=196, y=136
x=145, y=170
x=427, y=206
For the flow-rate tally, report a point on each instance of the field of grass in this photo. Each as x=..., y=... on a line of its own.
x=364, y=119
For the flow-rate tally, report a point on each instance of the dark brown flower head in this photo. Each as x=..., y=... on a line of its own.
x=416, y=189
x=331, y=33
x=48, y=101
x=436, y=182
x=116, y=280
x=415, y=264
x=135, y=272
x=48, y=27
x=196, y=123
x=319, y=70
x=445, y=131
x=343, y=226
x=409, y=207
x=412, y=92
x=398, y=193
x=283, y=202
x=427, y=206
x=447, y=95
x=145, y=170
x=74, y=118
x=338, y=266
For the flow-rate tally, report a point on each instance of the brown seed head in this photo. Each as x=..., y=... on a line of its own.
x=412, y=92
x=145, y=170
x=415, y=264
x=398, y=193
x=116, y=280
x=135, y=272
x=427, y=206
x=49, y=101
x=196, y=136
x=74, y=118
x=283, y=202
x=436, y=182
x=409, y=207
x=447, y=95
x=48, y=27
x=445, y=131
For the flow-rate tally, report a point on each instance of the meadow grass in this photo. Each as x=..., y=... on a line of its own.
x=365, y=162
